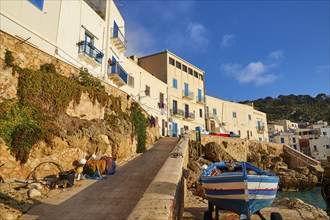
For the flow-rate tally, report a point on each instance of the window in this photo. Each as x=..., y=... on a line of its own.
x=201, y=77
x=324, y=133
x=195, y=74
x=200, y=113
x=184, y=68
x=251, y=133
x=294, y=140
x=234, y=115
x=282, y=140
x=131, y=81
x=214, y=111
x=250, y=117
x=315, y=148
x=38, y=3
x=171, y=61
x=178, y=65
x=190, y=71
x=295, y=146
x=260, y=139
x=327, y=146
x=147, y=90
x=175, y=83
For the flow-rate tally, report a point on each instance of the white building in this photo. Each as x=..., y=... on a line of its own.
x=85, y=34
x=244, y=120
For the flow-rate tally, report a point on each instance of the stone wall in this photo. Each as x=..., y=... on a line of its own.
x=238, y=148
x=66, y=148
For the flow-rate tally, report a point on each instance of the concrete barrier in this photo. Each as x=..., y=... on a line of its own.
x=164, y=198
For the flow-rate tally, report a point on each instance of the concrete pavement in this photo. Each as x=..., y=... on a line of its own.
x=111, y=198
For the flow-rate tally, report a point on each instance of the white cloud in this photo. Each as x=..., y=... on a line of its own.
x=140, y=41
x=197, y=35
x=322, y=69
x=277, y=55
x=228, y=40
x=254, y=72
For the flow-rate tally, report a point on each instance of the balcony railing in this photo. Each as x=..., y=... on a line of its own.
x=118, y=39
x=91, y=51
x=162, y=105
x=177, y=112
x=189, y=115
x=188, y=94
x=117, y=73
x=260, y=129
x=201, y=99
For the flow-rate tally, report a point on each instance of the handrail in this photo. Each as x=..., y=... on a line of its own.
x=90, y=50
x=118, y=69
x=301, y=156
x=187, y=93
x=119, y=35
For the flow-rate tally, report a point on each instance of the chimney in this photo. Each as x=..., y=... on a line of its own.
x=134, y=58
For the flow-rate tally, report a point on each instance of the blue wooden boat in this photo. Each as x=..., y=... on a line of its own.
x=239, y=187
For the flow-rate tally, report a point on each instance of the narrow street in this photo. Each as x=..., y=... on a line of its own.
x=110, y=198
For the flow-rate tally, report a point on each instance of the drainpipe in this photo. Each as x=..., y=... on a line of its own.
x=107, y=40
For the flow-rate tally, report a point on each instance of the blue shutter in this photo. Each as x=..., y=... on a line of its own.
x=186, y=89
x=258, y=125
x=115, y=29
x=175, y=83
x=199, y=95
x=38, y=3
x=113, y=67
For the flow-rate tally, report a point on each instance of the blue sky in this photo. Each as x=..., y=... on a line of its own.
x=248, y=49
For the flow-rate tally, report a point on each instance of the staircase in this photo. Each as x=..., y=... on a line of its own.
x=298, y=159
x=217, y=120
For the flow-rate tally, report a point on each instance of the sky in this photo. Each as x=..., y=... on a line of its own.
x=248, y=49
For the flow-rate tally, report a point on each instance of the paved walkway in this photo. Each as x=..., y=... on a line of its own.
x=111, y=198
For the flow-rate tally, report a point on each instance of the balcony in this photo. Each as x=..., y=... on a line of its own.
x=117, y=74
x=118, y=40
x=177, y=112
x=189, y=116
x=200, y=99
x=260, y=129
x=91, y=51
x=209, y=115
x=162, y=105
x=188, y=94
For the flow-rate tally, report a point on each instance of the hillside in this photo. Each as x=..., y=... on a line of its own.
x=297, y=108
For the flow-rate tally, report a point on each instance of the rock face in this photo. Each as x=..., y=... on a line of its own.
x=83, y=126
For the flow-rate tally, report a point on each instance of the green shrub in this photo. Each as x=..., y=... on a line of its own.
x=9, y=58
x=48, y=68
x=140, y=127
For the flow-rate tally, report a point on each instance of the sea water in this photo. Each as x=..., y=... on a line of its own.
x=312, y=197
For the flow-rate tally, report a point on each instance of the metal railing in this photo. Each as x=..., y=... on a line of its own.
x=116, y=68
x=188, y=94
x=177, y=112
x=189, y=115
x=162, y=105
x=90, y=50
x=116, y=33
x=201, y=99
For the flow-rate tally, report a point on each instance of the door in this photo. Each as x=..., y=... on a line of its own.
x=115, y=29
x=163, y=127
x=186, y=89
x=175, y=107
x=199, y=95
x=174, y=129
x=248, y=135
x=89, y=41
x=186, y=111
x=113, y=65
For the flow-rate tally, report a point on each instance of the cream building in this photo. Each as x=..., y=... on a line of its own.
x=274, y=128
x=244, y=120
x=185, y=84
x=286, y=138
x=287, y=125
x=148, y=91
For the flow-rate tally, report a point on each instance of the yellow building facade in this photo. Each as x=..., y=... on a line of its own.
x=185, y=90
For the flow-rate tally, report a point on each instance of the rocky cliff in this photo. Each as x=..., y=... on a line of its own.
x=51, y=111
x=268, y=156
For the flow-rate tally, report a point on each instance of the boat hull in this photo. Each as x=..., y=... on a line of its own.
x=239, y=192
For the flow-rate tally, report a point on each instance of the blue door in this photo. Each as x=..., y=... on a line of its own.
x=113, y=65
x=175, y=129
x=186, y=89
x=115, y=29
x=199, y=95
